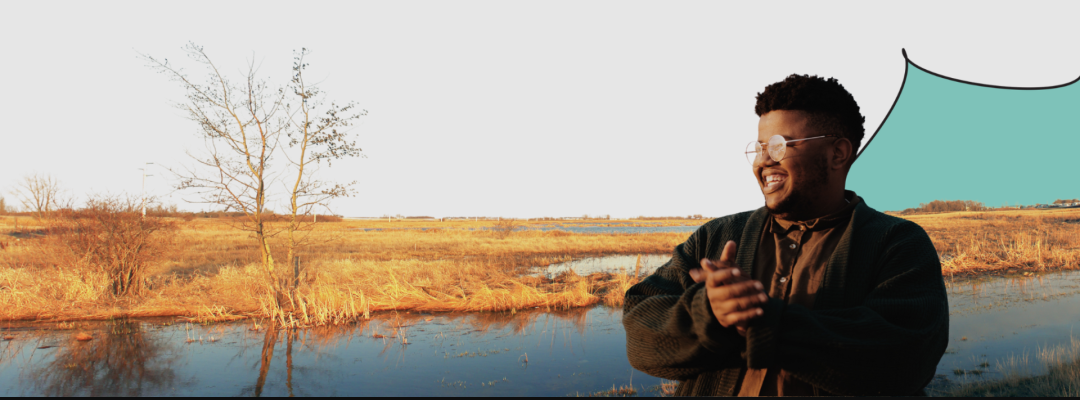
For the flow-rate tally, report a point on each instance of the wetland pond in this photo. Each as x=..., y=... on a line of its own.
x=526, y=353
x=574, y=228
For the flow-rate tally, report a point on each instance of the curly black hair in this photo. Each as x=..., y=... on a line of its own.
x=831, y=107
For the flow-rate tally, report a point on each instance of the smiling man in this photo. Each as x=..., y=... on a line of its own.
x=815, y=293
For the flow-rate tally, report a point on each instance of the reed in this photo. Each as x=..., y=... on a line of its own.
x=1004, y=242
x=350, y=269
x=1062, y=378
x=346, y=272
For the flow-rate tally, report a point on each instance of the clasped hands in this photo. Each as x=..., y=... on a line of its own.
x=736, y=299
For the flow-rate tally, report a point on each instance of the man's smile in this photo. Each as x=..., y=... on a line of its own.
x=771, y=181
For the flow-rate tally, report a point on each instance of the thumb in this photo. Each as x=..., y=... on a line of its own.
x=728, y=254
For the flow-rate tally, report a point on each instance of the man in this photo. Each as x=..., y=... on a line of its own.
x=815, y=293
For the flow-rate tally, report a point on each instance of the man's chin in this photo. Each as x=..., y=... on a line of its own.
x=780, y=206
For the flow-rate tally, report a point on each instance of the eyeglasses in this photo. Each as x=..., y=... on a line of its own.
x=777, y=147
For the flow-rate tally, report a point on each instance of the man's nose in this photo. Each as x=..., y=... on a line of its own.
x=765, y=160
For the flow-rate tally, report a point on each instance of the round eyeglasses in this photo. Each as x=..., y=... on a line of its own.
x=777, y=148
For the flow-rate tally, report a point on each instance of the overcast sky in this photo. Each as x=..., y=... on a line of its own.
x=495, y=108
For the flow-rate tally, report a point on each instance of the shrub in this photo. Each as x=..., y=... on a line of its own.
x=110, y=236
x=504, y=228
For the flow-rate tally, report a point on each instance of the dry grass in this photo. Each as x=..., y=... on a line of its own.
x=353, y=268
x=621, y=391
x=1061, y=380
x=347, y=272
x=1004, y=242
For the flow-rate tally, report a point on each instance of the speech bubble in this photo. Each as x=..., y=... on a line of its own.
x=950, y=139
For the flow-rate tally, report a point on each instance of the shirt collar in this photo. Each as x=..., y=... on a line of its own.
x=825, y=222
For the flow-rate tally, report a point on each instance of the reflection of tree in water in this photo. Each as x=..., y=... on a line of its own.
x=266, y=358
x=520, y=322
x=121, y=360
x=323, y=340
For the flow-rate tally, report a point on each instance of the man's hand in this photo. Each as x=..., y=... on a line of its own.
x=735, y=298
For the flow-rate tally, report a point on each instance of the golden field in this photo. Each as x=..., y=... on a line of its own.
x=346, y=272
x=1004, y=242
x=211, y=269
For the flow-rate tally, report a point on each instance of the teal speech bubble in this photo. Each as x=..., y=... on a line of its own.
x=948, y=139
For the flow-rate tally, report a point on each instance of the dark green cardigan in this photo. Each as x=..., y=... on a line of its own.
x=879, y=324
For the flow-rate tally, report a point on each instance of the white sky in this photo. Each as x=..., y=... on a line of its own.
x=496, y=108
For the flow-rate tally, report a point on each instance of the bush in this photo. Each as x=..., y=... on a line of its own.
x=504, y=228
x=111, y=236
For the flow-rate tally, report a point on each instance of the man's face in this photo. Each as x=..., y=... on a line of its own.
x=793, y=184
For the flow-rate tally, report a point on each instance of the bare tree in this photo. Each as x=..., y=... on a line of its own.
x=38, y=193
x=246, y=124
x=314, y=137
x=241, y=126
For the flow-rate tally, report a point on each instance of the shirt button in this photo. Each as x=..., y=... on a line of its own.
x=783, y=279
x=792, y=246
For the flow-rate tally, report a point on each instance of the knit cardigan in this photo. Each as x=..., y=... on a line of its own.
x=879, y=324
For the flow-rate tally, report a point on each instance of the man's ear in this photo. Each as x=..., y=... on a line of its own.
x=843, y=153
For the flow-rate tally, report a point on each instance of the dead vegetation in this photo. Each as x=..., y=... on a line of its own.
x=504, y=227
x=213, y=273
x=1004, y=242
x=111, y=238
x=354, y=268
x=1062, y=378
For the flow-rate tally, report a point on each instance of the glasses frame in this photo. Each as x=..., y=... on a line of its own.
x=758, y=148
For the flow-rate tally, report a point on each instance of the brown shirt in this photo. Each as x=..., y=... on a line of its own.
x=790, y=264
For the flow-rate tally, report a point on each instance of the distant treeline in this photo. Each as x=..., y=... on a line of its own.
x=940, y=206
x=171, y=212
x=269, y=217
x=695, y=216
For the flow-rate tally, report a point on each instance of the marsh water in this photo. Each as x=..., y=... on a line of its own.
x=591, y=265
x=531, y=352
x=999, y=324
x=493, y=354
x=591, y=228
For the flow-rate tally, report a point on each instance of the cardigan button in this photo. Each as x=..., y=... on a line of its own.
x=783, y=279
x=792, y=246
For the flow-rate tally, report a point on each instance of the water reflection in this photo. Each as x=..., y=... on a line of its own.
x=267, y=356
x=1000, y=321
x=628, y=263
x=120, y=360
x=528, y=352
x=611, y=228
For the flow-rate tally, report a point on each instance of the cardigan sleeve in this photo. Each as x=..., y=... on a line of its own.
x=670, y=328
x=890, y=344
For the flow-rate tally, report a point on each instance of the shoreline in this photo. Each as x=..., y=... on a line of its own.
x=221, y=313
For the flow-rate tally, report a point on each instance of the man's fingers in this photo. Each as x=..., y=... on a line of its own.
x=741, y=328
x=747, y=302
x=722, y=276
x=728, y=254
x=697, y=275
x=740, y=289
x=727, y=305
x=708, y=265
x=736, y=318
x=725, y=276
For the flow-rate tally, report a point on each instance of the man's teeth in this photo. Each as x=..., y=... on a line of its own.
x=774, y=178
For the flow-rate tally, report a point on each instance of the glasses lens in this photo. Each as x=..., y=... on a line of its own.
x=753, y=151
x=777, y=147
